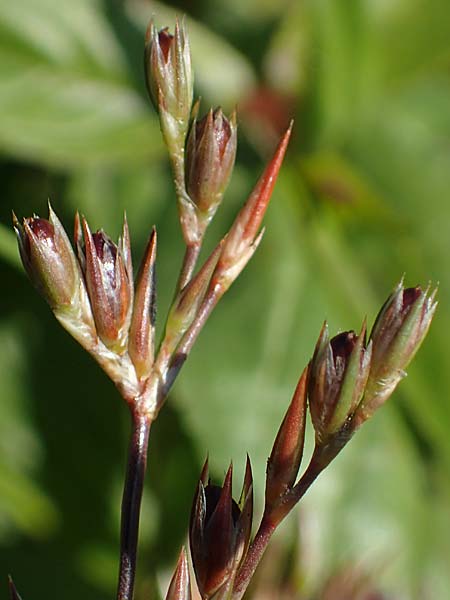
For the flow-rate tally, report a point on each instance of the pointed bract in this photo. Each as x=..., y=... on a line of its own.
x=180, y=586
x=125, y=251
x=243, y=238
x=204, y=475
x=246, y=508
x=285, y=458
x=141, y=342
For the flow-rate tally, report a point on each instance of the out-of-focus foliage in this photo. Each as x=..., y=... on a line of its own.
x=362, y=199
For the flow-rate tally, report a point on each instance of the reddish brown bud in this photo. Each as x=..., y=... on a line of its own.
x=397, y=334
x=165, y=40
x=210, y=154
x=142, y=330
x=285, y=458
x=49, y=260
x=180, y=587
x=219, y=532
x=338, y=375
x=109, y=283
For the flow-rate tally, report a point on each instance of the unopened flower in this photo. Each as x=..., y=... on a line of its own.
x=49, y=259
x=170, y=81
x=337, y=378
x=109, y=280
x=210, y=154
x=397, y=334
x=219, y=534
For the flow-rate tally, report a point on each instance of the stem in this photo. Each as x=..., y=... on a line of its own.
x=266, y=529
x=131, y=503
x=255, y=553
x=308, y=478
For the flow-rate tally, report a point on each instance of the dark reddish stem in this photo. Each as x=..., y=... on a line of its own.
x=266, y=529
x=131, y=503
x=255, y=553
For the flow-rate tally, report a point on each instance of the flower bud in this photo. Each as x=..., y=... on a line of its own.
x=337, y=378
x=219, y=532
x=399, y=330
x=109, y=282
x=170, y=81
x=49, y=260
x=210, y=154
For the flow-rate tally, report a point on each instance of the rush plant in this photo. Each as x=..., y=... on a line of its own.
x=93, y=293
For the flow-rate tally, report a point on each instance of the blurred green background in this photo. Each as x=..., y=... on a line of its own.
x=363, y=198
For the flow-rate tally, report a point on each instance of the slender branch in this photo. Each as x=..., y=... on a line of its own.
x=255, y=553
x=131, y=503
x=266, y=529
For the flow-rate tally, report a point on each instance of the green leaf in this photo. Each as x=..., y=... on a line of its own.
x=23, y=505
x=65, y=97
x=8, y=246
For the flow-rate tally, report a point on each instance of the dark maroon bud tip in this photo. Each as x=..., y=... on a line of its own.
x=410, y=295
x=342, y=344
x=165, y=40
x=41, y=228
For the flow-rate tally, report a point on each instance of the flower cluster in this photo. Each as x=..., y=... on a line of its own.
x=92, y=292
x=347, y=379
